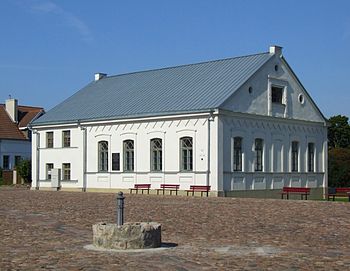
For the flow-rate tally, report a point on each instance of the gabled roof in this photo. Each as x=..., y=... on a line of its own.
x=181, y=89
x=10, y=129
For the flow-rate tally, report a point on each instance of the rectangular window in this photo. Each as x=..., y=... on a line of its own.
x=276, y=94
x=295, y=155
x=6, y=162
x=66, y=139
x=48, y=171
x=116, y=161
x=66, y=171
x=49, y=139
x=17, y=160
x=311, y=157
x=259, y=154
x=237, y=154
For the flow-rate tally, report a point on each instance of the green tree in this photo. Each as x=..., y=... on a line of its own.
x=24, y=169
x=339, y=167
x=339, y=132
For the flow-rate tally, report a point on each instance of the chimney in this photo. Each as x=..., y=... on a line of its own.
x=11, y=108
x=99, y=76
x=274, y=49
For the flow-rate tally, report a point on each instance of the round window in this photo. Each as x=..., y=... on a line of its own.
x=301, y=98
x=276, y=68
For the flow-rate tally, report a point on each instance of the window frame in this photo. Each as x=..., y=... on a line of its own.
x=295, y=156
x=48, y=168
x=237, y=154
x=259, y=154
x=186, y=161
x=66, y=140
x=156, y=155
x=8, y=162
x=102, y=164
x=311, y=157
x=277, y=99
x=128, y=155
x=49, y=140
x=66, y=171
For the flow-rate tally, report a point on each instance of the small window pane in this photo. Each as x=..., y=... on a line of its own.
x=128, y=155
x=66, y=139
x=277, y=94
x=295, y=155
x=6, y=162
x=66, y=171
x=156, y=154
x=49, y=140
x=237, y=154
x=311, y=157
x=102, y=156
x=258, y=154
x=49, y=167
x=186, y=161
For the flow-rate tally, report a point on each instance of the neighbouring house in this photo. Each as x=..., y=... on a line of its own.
x=243, y=125
x=15, y=137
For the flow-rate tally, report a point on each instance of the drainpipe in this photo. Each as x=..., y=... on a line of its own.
x=210, y=118
x=83, y=129
x=37, y=150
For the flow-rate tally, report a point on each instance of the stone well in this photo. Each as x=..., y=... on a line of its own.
x=138, y=235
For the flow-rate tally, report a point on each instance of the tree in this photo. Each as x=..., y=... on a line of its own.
x=339, y=167
x=24, y=169
x=339, y=132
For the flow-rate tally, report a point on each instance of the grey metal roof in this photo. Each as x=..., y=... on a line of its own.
x=187, y=88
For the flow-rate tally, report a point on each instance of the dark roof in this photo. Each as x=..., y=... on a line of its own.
x=10, y=129
x=187, y=88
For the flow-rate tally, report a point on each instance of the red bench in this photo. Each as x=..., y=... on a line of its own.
x=169, y=187
x=302, y=191
x=142, y=187
x=199, y=188
x=341, y=192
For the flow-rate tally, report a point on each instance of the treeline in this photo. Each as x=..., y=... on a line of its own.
x=339, y=152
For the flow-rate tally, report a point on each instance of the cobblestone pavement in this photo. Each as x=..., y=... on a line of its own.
x=48, y=230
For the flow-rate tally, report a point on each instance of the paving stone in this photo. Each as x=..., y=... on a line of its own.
x=48, y=230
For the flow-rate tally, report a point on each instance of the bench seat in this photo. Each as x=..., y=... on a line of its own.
x=170, y=187
x=199, y=188
x=142, y=187
x=302, y=191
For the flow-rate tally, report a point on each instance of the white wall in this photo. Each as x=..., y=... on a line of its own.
x=169, y=129
x=274, y=132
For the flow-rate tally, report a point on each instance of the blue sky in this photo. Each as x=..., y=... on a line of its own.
x=50, y=49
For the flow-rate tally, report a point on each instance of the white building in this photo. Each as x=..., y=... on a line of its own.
x=15, y=137
x=243, y=125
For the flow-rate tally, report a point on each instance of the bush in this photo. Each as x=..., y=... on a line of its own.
x=339, y=167
x=24, y=169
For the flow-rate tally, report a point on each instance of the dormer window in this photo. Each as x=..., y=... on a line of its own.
x=276, y=94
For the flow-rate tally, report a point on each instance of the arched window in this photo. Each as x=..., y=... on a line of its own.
x=103, y=156
x=237, y=154
x=156, y=154
x=186, y=153
x=128, y=146
x=259, y=154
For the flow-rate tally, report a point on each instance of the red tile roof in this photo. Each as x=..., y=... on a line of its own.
x=10, y=129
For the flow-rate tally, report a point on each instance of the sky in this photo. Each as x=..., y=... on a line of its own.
x=50, y=49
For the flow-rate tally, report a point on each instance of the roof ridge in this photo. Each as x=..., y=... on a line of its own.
x=185, y=65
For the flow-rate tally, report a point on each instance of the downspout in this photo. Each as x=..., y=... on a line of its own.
x=37, y=150
x=210, y=118
x=82, y=128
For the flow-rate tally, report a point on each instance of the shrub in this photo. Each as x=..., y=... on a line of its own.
x=339, y=167
x=24, y=169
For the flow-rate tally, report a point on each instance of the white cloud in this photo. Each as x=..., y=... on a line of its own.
x=68, y=18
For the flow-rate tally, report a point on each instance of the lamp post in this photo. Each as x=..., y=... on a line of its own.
x=120, y=209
